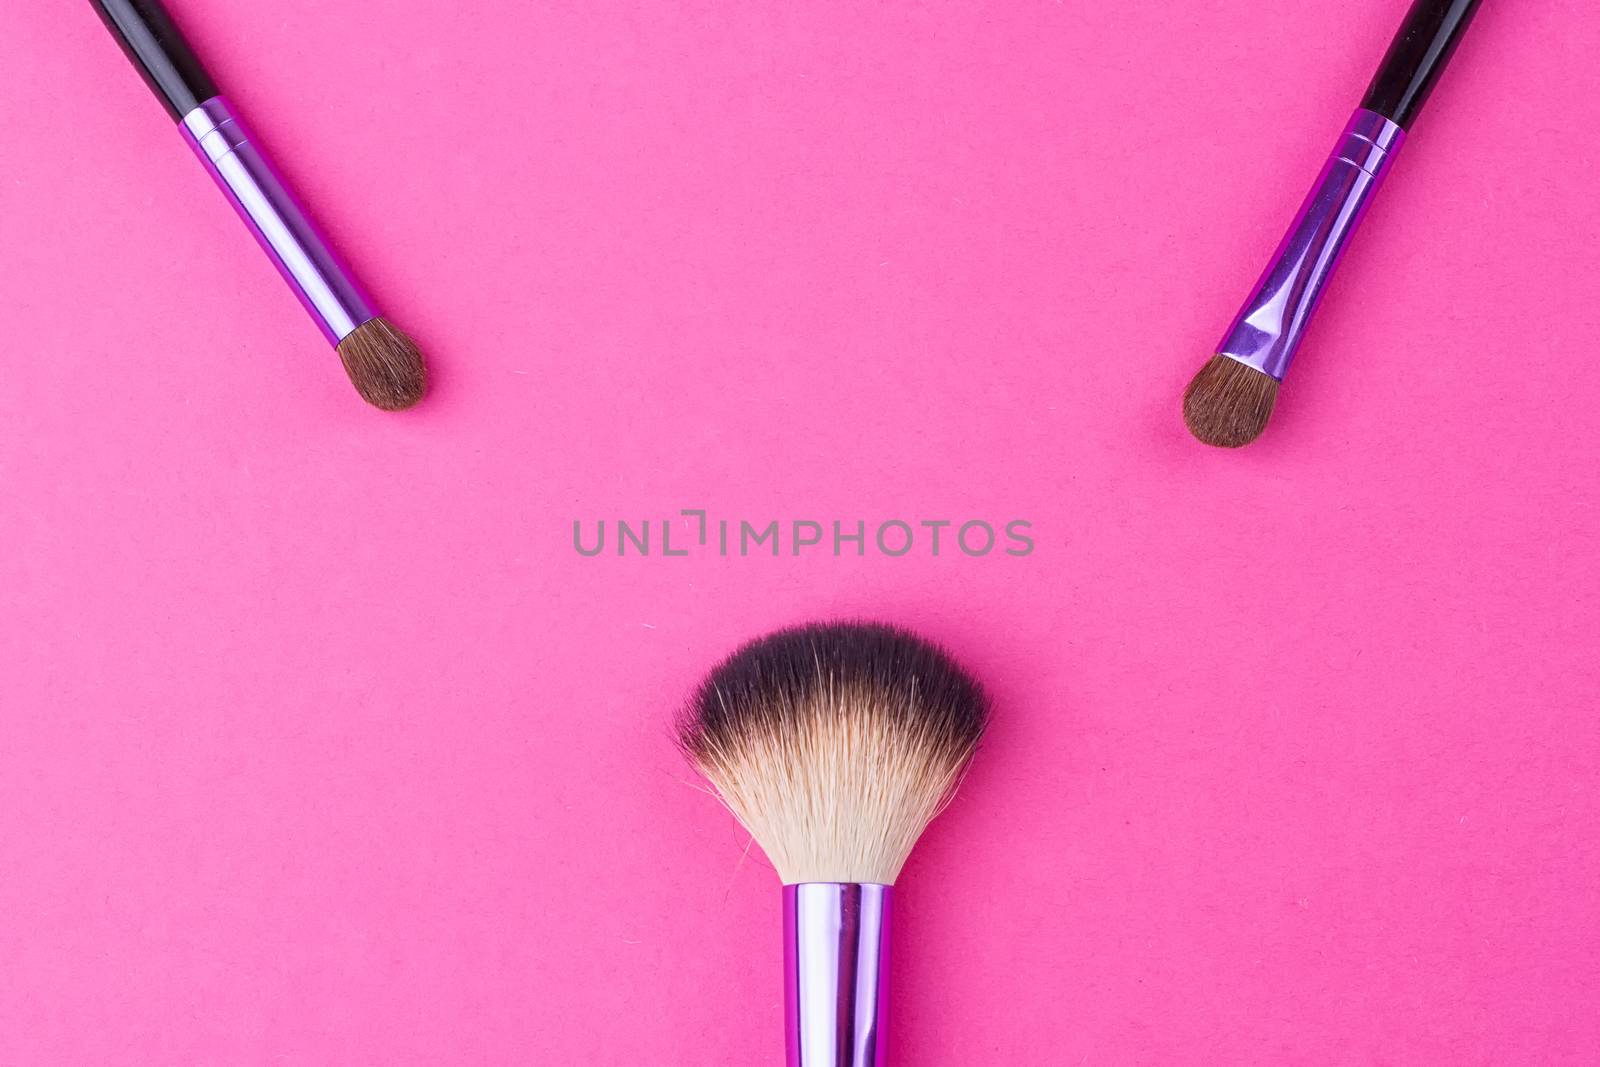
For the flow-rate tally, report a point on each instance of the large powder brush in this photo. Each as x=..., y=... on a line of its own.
x=835, y=744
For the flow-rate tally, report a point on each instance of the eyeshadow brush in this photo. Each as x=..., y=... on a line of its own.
x=382, y=362
x=1229, y=402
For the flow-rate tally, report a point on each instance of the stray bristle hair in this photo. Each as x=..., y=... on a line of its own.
x=1228, y=403
x=384, y=365
x=835, y=744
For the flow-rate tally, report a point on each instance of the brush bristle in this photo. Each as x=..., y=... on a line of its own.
x=835, y=744
x=384, y=365
x=1228, y=404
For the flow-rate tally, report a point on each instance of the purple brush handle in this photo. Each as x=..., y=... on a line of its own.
x=305, y=259
x=1268, y=329
x=836, y=957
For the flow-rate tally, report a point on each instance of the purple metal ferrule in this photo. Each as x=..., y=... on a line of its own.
x=1269, y=328
x=836, y=968
x=305, y=259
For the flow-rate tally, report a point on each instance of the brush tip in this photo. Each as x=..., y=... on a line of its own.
x=835, y=744
x=1228, y=403
x=384, y=365
x=770, y=680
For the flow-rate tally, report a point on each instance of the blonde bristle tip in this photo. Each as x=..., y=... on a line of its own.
x=835, y=744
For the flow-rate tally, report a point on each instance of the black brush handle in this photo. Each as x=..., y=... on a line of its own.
x=1417, y=57
x=151, y=39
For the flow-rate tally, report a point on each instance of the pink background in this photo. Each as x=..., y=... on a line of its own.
x=321, y=745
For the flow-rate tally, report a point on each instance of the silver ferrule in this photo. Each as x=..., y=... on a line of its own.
x=836, y=967
x=305, y=259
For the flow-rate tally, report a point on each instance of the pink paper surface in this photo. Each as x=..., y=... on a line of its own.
x=320, y=743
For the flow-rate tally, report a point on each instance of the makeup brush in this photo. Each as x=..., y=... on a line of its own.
x=382, y=362
x=1229, y=402
x=835, y=744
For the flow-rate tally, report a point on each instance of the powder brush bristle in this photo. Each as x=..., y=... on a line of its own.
x=835, y=744
x=1228, y=404
x=384, y=365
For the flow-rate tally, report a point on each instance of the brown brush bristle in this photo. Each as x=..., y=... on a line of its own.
x=1228, y=404
x=384, y=365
